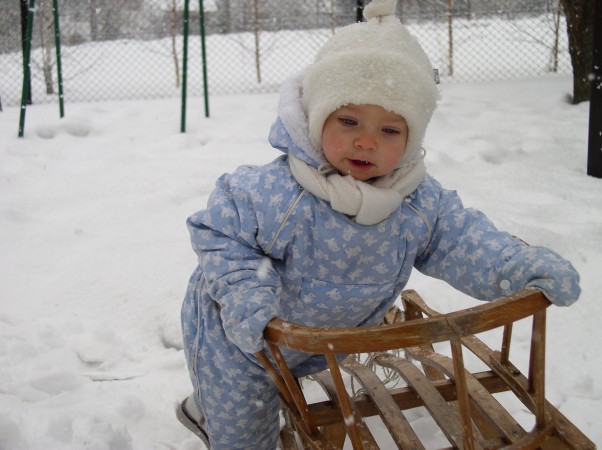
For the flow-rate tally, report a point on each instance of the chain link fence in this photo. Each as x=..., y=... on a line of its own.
x=132, y=49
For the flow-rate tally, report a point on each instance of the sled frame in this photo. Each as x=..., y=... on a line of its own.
x=461, y=403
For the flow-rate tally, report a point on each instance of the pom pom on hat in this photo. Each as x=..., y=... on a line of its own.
x=380, y=8
x=375, y=62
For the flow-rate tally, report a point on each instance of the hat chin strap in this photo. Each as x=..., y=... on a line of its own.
x=368, y=204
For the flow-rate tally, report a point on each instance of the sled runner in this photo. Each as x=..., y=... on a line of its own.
x=461, y=402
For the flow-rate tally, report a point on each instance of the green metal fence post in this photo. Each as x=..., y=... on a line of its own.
x=57, y=44
x=204, y=58
x=24, y=10
x=184, y=67
x=26, y=67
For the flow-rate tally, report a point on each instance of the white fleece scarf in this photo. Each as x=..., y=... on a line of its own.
x=367, y=203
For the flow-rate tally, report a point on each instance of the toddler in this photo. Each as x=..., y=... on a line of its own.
x=327, y=234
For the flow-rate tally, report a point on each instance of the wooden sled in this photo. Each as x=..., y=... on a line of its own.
x=460, y=402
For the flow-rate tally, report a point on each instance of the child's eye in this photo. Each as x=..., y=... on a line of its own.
x=392, y=131
x=347, y=121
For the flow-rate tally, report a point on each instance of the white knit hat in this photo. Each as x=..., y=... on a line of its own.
x=375, y=62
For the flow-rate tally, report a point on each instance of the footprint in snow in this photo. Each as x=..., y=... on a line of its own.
x=73, y=127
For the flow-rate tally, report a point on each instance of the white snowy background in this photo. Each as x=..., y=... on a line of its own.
x=95, y=255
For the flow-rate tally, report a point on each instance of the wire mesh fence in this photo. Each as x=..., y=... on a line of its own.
x=132, y=49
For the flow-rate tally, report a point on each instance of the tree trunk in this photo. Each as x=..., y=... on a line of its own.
x=45, y=23
x=226, y=20
x=468, y=10
x=580, y=28
x=333, y=23
x=450, y=38
x=554, y=62
x=174, y=35
x=256, y=33
x=93, y=20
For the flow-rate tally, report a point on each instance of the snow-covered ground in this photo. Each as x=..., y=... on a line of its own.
x=95, y=256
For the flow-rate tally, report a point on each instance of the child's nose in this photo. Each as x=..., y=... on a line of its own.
x=365, y=141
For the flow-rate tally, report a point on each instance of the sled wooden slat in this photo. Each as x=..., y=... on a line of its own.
x=394, y=420
x=440, y=409
x=506, y=426
x=460, y=401
x=287, y=438
x=354, y=420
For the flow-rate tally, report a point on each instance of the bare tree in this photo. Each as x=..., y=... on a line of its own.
x=331, y=13
x=93, y=18
x=580, y=29
x=174, y=32
x=256, y=31
x=450, y=38
x=555, y=48
x=468, y=9
x=46, y=24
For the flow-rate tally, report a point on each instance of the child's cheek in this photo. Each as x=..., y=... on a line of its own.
x=332, y=144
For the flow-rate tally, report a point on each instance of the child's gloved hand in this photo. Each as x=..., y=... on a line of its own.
x=560, y=287
x=556, y=277
x=543, y=269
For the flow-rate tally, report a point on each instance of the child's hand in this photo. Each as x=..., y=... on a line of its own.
x=540, y=268
x=552, y=274
x=561, y=288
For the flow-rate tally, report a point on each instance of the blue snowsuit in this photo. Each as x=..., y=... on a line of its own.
x=268, y=248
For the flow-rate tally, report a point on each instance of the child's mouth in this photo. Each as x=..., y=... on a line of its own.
x=360, y=164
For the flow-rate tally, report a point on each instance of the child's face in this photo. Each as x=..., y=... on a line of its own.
x=364, y=141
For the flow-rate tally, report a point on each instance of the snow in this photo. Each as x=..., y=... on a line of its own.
x=95, y=255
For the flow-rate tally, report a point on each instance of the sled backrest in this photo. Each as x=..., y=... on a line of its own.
x=475, y=422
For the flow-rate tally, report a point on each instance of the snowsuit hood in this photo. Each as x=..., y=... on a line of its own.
x=290, y=131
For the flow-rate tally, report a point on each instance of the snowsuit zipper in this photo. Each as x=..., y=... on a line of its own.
x=422, y=216
x=289, y=211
